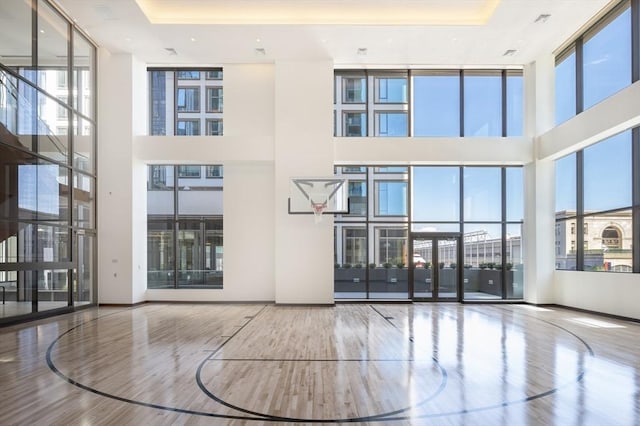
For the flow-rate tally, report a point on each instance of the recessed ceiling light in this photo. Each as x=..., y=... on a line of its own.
x=509, y=52
x=542, y=18
x=41, y=31
x=193, y=39
x=260, y=51
x=362, y=51
x=258, y=40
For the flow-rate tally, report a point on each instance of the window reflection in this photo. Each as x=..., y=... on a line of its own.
x=185, y=244
x=436, y=105
x=607, y=58
x=482, y=105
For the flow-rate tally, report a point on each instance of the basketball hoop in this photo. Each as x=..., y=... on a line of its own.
x=318, y=196
x=318, y=209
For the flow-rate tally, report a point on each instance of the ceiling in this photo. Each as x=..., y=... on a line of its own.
x=351, y=33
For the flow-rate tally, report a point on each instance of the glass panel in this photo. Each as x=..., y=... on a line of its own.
x=84, y=196
x=422, y=268
x=189, y=171
x=83, y=144
x=436, y=194
x=566, y=186
x=566, y=244
x=15, y=32
x=357, y=198
x=482, y=194
x=37, y=243
x=158, y=87
x=43, y=192
x=354, y=90
x=607, y=60
x=436, y=105
x=19, y=288
x=351, y=264
x=160, y=186
x=515, y=262
x=565, y=88
x=515, y=194
x=214, y=127
x=84, y=284
x=160, y=258
x=53, y=289
x=607, y=174
x=391, y=169
x=352, y=169
x=190, y=254
x=435, y=227
x=17, y=291
x=482, y=261
x=214, y=75
x=28, y=120
x=9, y=99
x=188, y=99
x=391, y=90
x=188, y=75
x=354, y=124
x=200, y=196
x=213, y=253
x=214, y=99
x=608, y=242
x=447, y=268
x=389, y=278
x=83, y=72
x=515, y=105
x=53, y=128
x=188, y=128
x=391, y=198
x=53, y=53
x=214, y=171
x=482, y=105
x=391, y=124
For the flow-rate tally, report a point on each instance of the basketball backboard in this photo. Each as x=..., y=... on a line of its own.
x=318, y=196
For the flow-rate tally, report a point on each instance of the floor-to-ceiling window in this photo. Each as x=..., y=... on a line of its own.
x=481, y=207
x=597, y=64
x=186, y=102
x=428, y=103
x=47, y=162
x=184, y=226
x=595, y=205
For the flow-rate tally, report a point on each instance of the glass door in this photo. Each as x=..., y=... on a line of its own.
x=434, y=271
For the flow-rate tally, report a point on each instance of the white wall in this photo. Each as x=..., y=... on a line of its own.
x=606, y=292
x=303, y=147
x=115, y=171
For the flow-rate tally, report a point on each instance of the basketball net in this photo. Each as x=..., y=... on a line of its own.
x=318, y=209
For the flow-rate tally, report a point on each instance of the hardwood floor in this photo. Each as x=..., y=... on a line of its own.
x=420, y=364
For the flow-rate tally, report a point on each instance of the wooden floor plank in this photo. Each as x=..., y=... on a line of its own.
x=256, y=364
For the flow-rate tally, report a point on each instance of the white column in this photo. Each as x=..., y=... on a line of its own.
x=539, y=181
x=303, y=147
x=121, y=180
